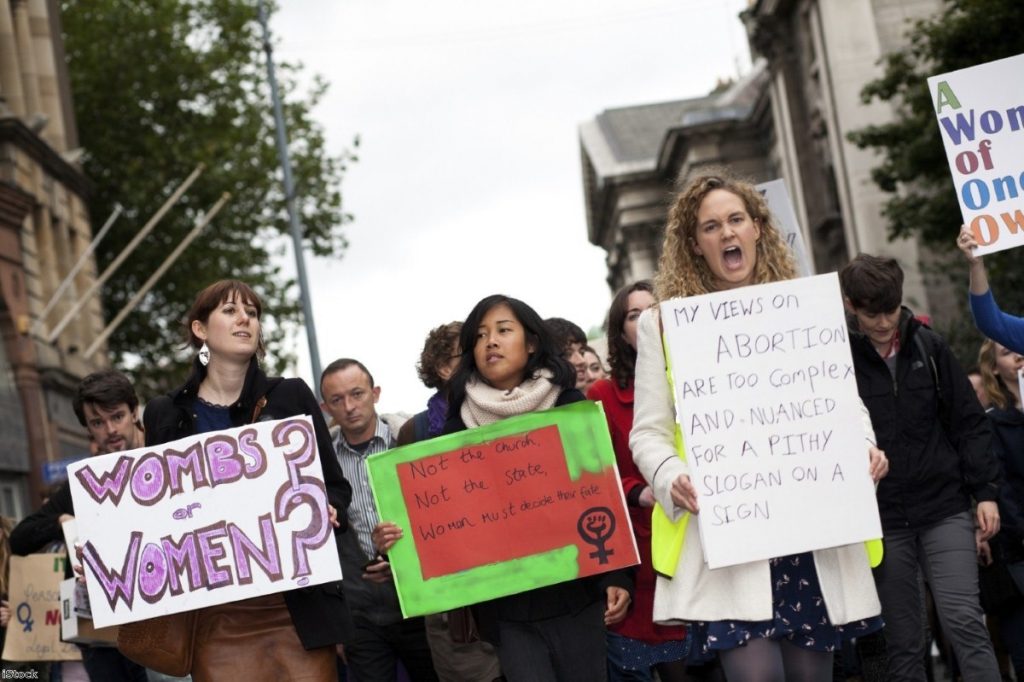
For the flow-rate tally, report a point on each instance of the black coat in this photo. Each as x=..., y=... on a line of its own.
x=1008, y=446
x=544, y=602
x=318, y=612
x=938, y=447
x=42, y=528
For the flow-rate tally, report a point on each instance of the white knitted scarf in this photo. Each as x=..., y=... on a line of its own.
x=485, y=404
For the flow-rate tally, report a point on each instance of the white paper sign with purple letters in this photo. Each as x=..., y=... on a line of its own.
x=766, y=397
x=209, y=519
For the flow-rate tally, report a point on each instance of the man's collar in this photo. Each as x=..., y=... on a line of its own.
x=381, y=430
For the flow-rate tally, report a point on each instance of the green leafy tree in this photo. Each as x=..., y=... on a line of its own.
x=913, y=161
x=159, y=86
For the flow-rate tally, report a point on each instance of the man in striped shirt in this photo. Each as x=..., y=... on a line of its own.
x=380, y=637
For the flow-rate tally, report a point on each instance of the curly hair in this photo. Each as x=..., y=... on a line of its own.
x=681, y=272
x=993, y=385
x=621, y=355
x=440, y=346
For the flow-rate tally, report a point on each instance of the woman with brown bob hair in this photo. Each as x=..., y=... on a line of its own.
x=283, y=636
x=775, y=619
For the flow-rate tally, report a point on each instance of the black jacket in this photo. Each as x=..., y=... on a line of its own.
x=931, y=426
x=42, y=528
x=318, y=612
x=544, y=602
x=1008, y=446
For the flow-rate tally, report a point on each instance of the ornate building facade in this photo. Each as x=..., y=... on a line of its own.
x=44, y=231
x=788, y=118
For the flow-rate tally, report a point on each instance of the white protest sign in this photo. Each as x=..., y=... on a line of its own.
x=767, y=400
x=209, y=519
x=981, y=120
x=781, y=205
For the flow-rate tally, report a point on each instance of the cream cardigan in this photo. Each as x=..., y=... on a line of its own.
x=741, y=592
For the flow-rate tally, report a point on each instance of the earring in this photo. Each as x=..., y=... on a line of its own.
x=204, y=355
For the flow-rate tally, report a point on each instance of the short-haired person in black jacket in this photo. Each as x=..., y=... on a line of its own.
x=279, y=636
x=929, y=422
x=107, y=406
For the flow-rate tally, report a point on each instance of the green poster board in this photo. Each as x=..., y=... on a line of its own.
x=526, y=502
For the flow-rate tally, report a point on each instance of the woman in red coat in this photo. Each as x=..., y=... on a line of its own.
x=636, y=646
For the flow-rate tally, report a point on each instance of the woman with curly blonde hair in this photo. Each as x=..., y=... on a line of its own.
x=683, y=269
x=776, y=619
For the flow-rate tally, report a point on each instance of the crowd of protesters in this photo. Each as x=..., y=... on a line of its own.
x=949, y=477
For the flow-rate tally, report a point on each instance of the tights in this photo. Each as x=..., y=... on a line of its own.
x=673, y=671
x=767, y=660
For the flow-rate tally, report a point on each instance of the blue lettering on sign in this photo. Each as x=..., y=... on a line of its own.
x=57, y=471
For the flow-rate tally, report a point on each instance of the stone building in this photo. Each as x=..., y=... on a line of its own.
x=632, y=156
x=788, y=118
x=44, y=229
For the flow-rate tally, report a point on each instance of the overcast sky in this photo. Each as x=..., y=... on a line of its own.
x=469, y=179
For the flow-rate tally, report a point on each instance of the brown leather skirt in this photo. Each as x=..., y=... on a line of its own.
x=255, y=640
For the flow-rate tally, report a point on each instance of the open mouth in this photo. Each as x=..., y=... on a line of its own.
x=732, y=258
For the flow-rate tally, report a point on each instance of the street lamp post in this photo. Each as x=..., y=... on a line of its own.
x=289, y=189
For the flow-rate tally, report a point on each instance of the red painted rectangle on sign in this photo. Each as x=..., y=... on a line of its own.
x=509, y=498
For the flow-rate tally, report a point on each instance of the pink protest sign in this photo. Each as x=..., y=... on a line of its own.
x=208, y=519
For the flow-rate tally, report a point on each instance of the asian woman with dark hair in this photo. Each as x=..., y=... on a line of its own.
x=510, y=366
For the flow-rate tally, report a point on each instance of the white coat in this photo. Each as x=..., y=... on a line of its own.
x=741, y=592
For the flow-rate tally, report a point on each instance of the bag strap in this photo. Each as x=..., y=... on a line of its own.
x=260, y=404
x=929, y=359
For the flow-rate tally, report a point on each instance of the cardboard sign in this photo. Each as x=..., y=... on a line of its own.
x=209, y=519
x=766, y=398
x=526, y=502
x=981, y=120
x=781, y=205
x=33, y=633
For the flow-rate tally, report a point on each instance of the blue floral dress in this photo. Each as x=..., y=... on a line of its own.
x=799, y=615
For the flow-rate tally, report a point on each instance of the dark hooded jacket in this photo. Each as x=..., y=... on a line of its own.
x=1008, y=446
x=929, y=422
x=318, y=612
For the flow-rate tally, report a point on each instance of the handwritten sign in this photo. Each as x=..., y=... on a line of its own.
x=529, y=501
x=981, y=120
x=33, y=633
x=781, y=205
x=204, y=520
x=766, y=397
